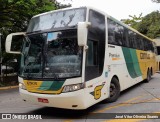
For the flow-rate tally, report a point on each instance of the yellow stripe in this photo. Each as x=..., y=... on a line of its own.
x=118, y=105
x=126, y=103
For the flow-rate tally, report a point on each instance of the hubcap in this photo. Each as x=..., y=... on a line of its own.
x=112, y=90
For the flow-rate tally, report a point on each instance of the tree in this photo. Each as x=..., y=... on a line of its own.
x=15, y=15
x=133, y=21
x=59, y=5
x=148, y=25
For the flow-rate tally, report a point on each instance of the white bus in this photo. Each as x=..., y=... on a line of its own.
x=76, y=57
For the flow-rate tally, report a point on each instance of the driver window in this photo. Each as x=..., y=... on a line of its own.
x=92, y=53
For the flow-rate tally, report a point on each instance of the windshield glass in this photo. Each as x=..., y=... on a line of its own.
x=65, y=18
x=32, y=56
x=52, y=55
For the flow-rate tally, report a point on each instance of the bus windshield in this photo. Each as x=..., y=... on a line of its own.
x=51, y=55
x=58, y=19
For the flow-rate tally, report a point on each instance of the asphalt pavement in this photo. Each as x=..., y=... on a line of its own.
x=134, y=102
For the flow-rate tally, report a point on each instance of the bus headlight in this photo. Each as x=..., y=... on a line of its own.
x=74, y=87
x=22, y=86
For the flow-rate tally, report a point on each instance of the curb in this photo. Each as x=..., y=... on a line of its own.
x=8, y=87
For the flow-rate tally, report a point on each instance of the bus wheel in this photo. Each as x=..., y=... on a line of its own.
x=114, y=91
x=148, y=76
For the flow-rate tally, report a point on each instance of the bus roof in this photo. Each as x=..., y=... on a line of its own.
x=102, y=12
x=56, y=11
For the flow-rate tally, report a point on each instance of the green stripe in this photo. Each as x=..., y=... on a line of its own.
x=135, y=62
x=131, y=59
x=51, y=85
x=56, y=85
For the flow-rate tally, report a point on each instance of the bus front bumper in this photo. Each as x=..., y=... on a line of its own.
x=69, y=100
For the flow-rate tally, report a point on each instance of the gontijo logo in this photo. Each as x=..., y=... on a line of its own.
x=31, y=83
x=144, y=56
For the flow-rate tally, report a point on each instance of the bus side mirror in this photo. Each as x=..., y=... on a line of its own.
x=82, y=33
x=14, y=42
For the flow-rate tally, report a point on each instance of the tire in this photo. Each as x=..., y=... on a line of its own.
x=148, y=76
x=114, y=91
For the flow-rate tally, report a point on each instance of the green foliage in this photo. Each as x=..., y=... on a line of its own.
x=15, y=15
x=148, y=25
x=60, y=5
x=133, y=22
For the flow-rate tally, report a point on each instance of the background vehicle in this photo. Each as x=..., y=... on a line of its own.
x=157, y=41
x=74, y=58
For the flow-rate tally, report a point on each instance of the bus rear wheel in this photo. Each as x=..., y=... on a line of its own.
x=114, y=90
x=148, y=76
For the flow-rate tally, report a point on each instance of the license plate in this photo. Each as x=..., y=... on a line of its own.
x=42, y=100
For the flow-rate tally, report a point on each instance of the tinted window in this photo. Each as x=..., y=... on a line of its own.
x=111, y=33
x=151, y=48
x=96, y=33
x=145, y=44
x=122, y=36
x=140, y=44
x=125, y=37
x=117, y=34
x=132, y=39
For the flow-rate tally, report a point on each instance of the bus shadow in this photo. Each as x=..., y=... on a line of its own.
x=126, y=92
x=130, y=89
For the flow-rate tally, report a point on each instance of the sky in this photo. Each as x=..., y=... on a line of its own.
x=119, y=9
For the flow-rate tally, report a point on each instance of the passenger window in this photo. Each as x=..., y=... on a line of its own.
x=111, y=32
x=117, y=34
x=132, y=39
x=125, y=38
x=140, y=44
